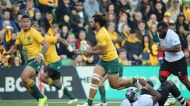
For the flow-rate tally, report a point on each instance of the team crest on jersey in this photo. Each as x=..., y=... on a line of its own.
x=29, y=38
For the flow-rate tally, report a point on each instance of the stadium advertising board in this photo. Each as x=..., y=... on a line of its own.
x=11, y=87
x=77, y=80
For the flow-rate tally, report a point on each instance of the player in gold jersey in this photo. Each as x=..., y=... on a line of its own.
x=108, y=64
x=35, y=46
x=54, y=65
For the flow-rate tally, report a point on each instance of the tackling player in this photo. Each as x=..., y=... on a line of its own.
x=151, y=97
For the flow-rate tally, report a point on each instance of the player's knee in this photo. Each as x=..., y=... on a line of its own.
x=24, y=78
x=115, y=85
x=162, y=79
x=171, y=83
x=42, y=78
x=95, y=80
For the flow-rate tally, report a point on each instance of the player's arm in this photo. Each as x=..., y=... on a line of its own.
x=155, y=94
x=65, y=43
x=99, y=49
x=45, y=46
x=175, y=48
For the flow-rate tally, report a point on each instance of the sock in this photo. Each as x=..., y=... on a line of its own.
x=177, y=94
x=102, y=93
x=51, y=83
x=181, y=100
x=34, y=91
x=90, y=102
x=68, y=94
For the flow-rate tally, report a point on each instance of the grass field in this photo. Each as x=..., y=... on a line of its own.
x=51, y=102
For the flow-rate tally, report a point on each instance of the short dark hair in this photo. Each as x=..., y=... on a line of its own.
x=163, y=25
x=6, y=10
x=100, y=19
x=25, y=16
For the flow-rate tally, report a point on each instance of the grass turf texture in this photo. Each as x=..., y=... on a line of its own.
x=53, y=102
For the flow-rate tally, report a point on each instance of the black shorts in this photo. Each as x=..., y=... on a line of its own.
x=177, y=68
x=164, y=91
x=52, y=73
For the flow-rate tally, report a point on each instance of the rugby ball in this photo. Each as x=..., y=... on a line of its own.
x=84, y=47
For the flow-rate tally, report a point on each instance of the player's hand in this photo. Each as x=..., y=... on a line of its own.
x=88, y=52
x=38, y=59
x=142, y=82
x=161, y=48
x=74, y=52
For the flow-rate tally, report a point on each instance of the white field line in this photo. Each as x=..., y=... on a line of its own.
x=67, y=101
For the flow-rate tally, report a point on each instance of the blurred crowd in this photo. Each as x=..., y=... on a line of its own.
x=132, y=25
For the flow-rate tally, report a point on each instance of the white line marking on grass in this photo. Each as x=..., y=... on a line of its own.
x=66, y=102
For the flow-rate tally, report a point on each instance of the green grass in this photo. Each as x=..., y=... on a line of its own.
x=51, y=102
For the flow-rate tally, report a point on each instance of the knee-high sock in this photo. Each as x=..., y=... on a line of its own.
x=58, y=87
x=33, y=90
x=102, y=93
x=177, y=94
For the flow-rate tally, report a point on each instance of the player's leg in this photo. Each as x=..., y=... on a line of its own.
x=176, y=93
x=66, y=92
x=164, y=91
x=102, y=92
x=114, y=78
x=98, y=74
x=181, y=68
x=28, y=82
x=185, y=81
x=164, y=71
x=27, y=77
x=52, y=78
x=47, y=76
x=118, y=83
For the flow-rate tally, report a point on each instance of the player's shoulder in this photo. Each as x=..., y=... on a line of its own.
x=172, y=33
x=102, y=30
x=50, y=39
x=102, y=34
x=32, y=30
x=19, y=33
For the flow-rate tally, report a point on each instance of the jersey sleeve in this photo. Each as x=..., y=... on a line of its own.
x=51, y=39
x=37, y=36
x=18, y=41
x=101, y=39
